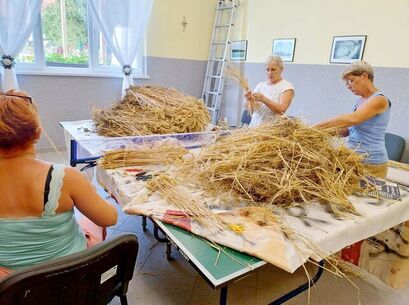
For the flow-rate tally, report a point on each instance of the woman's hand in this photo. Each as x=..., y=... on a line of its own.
x=259, y=97
x=248, y=95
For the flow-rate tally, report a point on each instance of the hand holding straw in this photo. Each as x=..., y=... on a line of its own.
x=251, y=104
x=233, y=73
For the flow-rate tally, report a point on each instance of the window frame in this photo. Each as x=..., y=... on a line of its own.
x=94, y=69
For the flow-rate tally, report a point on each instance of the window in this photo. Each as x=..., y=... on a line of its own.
x=65, y=34
x=67, y=41
x=27, y=55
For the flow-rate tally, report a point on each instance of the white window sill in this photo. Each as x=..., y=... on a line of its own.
x=71, y=73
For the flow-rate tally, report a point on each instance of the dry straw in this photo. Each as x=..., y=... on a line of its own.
x=283, y=163
x=157, y=153
x=152, y=110
x=170, y=190
x=398, y=165
x=233, y=73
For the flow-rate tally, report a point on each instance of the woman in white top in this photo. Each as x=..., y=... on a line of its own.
x=273, y=96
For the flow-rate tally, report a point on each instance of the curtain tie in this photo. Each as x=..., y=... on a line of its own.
x=127, y=69
x=7, y=62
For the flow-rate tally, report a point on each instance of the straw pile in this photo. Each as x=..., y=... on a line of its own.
x=156, y=153
x=152, y=110
x=282, y=163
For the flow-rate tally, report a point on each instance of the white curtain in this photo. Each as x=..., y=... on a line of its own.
x=17, y=19
x=122, y=23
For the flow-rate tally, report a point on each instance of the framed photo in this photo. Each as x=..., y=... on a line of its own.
x=238, y=50
x=347, y=49
x=284, y=48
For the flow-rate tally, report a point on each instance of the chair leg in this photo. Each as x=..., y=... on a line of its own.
x=124, y=300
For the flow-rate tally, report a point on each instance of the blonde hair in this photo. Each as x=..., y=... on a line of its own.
x=357, y=69
x=276, y=59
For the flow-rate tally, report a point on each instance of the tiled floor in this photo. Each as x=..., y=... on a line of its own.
x=158, y=281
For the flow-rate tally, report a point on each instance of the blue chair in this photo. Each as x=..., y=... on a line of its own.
x=395, y=145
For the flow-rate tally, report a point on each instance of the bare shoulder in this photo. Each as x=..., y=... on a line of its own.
x=71, y=172
x=73, y=177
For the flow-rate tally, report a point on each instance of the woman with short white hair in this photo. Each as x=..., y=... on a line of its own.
x=273, y=96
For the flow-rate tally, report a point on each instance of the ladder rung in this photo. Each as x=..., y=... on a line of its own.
x=213, y=92
x=214, y=80
x=214, y=76
x=223, y=8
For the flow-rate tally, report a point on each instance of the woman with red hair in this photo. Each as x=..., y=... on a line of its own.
x=37, y=220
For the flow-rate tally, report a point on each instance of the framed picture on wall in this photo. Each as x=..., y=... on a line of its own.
x=284, y=48
x=347, y=49
x=238, y=50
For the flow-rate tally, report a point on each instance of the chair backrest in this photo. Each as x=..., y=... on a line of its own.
x=245, y=117
x=93, y=276
x=395, y=145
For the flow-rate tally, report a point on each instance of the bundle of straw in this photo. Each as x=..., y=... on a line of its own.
x=157, y=153
x=233, y=73
x=169, y=189
x=398, y=165
x=282, y=163
x=152, y=110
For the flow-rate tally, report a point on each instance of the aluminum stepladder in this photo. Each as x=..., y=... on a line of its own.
x=226, y=13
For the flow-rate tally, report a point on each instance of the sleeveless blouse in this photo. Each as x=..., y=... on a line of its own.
x=368, y=138
x=30, y=240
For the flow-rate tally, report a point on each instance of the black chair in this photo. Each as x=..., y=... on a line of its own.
x=395, y=145
x=93, y=276
x=245, y=118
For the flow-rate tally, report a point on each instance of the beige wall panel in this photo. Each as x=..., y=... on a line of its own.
x=315, y=22
x=166, y=35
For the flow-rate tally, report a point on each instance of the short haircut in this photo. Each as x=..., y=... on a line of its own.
x=357, y=69
x=19, y=121
x=277, y=59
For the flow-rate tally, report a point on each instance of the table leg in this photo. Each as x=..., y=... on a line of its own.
x=302, y=288
x=144, y=223
x=168, y=250
x=89, y=165
x=162, y=240
x=73, y=153
x=156, y=234
x=223, y=296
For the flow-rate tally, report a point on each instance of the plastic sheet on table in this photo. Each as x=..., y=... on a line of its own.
x=94, y=147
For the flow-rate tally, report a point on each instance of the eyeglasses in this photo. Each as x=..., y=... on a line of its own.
x=349, y=82
x=28, y=98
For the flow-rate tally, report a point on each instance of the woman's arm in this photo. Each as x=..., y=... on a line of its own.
x=277, y=107
x=366, y=111
x=86, y=199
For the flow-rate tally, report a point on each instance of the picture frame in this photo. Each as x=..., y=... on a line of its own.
x=347, y=49
x=284, y=47
x=238, y=50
